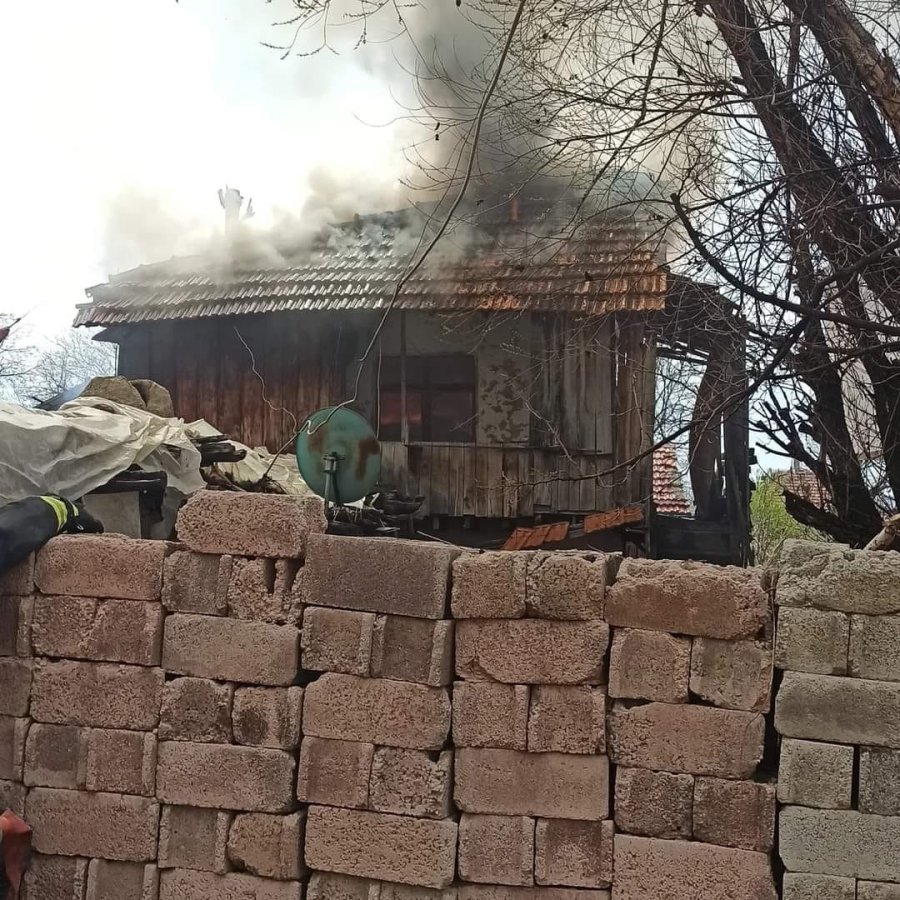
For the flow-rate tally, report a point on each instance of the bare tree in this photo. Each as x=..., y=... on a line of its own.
x=69, y=360
x=14, y=355
x=759, y=138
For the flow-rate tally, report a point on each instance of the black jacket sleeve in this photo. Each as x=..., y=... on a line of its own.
x=26, y=525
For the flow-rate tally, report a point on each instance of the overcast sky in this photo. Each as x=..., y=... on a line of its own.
x=123, y=118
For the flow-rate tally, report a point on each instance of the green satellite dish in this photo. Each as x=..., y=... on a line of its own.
x=338, y=455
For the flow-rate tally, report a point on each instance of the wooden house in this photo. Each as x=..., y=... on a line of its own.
x=511, y=382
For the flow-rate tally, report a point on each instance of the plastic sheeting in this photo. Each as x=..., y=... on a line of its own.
x=257, y=463
x=86, y=443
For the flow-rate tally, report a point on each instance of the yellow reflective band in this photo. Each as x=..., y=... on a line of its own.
x=61, y=510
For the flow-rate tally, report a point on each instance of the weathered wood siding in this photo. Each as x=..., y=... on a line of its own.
x=497, y=482
x=558, y=397
x=297, y=366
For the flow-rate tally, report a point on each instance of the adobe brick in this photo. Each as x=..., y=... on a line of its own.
x=379, y=845
x=54, y=756
x=875, y=647
x=649, y=665
x=687, y=598
x=877, y=890
x=402, y=578
x=126, y=631
x=411, y=782
x=269, y=846
x=120, y=762
x=100, y=565
x=328, y=886
x=388, y=891
x=77, y=823
x=335, y=773
x=502, y=892
x=839, y=842
x=832, y=576
x=802, y=886
x=196, y=583
x=654, y=804
x=531, y=651
x=101, y=695
x=193, y=838
x=812, y=640
x=576, y=854
x=566, y=585
x=178, y=884
x=251, y=779
x=815, y=774
x=261, y=590
x=496, y=849
x=879, y=781
x=15, y=686
x=268, y=717
x=567, y=719
x=12, y=796
x=19, y=580
x=378, y=711
x=121, y=881
x=336, y=640
x=16, y=614
x=409, y=649
x=486, y=714
x=732, y=674
x=9, y=625
x=489, y=585
x=54, y=878
x=13, y=733
x=550, y=785
x=196, y=709
x=231, y=650
x=648, y=867
x=249, y=524
x=695, y=740
x=840, y=710
x=738, y=814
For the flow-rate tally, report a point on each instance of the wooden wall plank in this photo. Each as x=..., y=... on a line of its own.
x=229, y=384
x=456, y=485
x=440, y=478
x=470, y=477
x=510, y=493
x=525, y=494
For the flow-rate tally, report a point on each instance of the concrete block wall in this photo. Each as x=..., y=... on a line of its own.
x=264, y=712
x=838, y=714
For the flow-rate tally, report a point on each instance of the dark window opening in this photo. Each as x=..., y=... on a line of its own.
x=440, y=399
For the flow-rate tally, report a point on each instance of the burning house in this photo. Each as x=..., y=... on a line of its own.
x=512, y=382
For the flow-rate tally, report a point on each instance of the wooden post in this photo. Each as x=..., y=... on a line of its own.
x=404, y=422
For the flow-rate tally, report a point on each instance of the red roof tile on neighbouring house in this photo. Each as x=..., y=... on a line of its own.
x=668, y=483
x=804, y=484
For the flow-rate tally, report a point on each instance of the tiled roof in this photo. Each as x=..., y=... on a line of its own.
x=496, y=267
x=804, y=484
x=668, y=483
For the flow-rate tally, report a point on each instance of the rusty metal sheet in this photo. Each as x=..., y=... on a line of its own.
x=533, y=538
x=614, y=518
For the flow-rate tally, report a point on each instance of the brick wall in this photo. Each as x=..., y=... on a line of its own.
x=266, y=713
x=838, y=712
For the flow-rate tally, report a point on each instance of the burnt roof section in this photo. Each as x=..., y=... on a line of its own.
x=498, y=263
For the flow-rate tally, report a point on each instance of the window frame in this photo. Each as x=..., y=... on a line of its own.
x=427, y=385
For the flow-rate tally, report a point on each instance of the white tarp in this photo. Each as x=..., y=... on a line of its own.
x=86, y=443
x=257, y=463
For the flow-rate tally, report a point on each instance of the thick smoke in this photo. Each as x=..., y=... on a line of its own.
x=434, y=66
